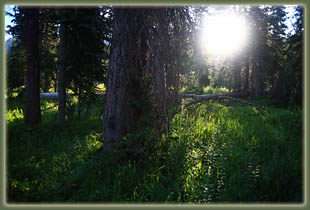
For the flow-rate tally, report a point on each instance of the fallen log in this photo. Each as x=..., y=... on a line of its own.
x=53, y=95
x=47, y=108
x=208, y=97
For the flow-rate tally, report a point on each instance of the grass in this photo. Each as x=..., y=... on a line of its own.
x=203, y=90
x=215, y=153
x=240, y=157
x=101, y=87
x=209, y=90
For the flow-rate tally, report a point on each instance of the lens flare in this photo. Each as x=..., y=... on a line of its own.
x=224, y=35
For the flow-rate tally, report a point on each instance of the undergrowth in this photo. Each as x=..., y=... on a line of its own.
x=214, y=154
x=203, y=90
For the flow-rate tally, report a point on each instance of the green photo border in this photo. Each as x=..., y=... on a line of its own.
x=4, y=205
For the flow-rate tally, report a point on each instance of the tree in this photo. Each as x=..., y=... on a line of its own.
x=237, y=74
x=81, y=51
x=85, y=51
x=16, y=67
x=294, y=63
x=61, y=74
x=30, y=27
x=48, y=47
x=124, y=76
x=144, y=68
x=277, y=45
x=246, y=73
x=259, y=30
x=17, y=58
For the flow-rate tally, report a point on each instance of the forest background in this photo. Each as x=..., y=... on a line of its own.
x=189, y=178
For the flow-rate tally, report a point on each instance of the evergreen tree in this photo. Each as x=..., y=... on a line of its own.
x=61, y=72
x=295, y=59
x=144, y=69
x=30, y=39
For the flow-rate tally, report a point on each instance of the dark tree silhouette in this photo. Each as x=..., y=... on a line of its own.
x=30, y=39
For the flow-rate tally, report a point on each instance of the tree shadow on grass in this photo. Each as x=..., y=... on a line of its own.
x=217, y=154
x=41, y=158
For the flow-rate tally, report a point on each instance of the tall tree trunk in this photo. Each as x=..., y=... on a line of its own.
x=257, y=80
x=55, y=83
x=46, y=82
x=278, y=90
x=246, y=75
x=31, y=42
x=87, y=112
x=252, y=77
x=124, y=77
x=273, y=83
x=61, y=75
x=79, y=104
x=237, y=76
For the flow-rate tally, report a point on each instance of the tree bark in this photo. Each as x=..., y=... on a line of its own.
x=246, y=75
x=237, y=76
x=46, y=82
x=61, y=75
x=55, y=83
x=122, y=110
x=31, y=42
x=257, y=80
x=278, y=90
x=79, y=104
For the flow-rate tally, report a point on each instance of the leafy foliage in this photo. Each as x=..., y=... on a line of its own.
x=17, y=66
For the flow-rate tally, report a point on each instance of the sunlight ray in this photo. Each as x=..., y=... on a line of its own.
x=224, y=34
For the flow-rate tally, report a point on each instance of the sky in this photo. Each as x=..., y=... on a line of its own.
x=290, y=21
x=9, y=8
x=8, y=19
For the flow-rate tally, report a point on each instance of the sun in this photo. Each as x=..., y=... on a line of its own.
x=224, y=35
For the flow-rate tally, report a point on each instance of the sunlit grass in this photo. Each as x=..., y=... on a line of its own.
x=101, y=87
x=231, y=155
x=209, y=90
x=15, y=114
x=43, y=162
x=203, y=90
x=214, y=153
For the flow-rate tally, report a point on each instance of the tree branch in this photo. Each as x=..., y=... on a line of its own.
x=47, y=108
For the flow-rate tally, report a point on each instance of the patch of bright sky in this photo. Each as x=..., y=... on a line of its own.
x=8, y=20
x=290, y=9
